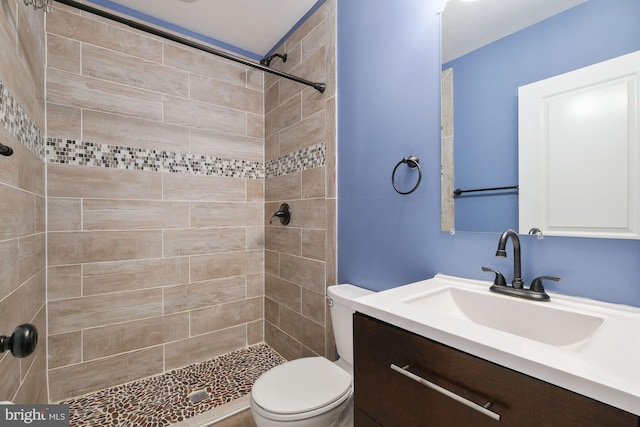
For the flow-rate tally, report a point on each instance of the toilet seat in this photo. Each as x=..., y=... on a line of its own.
x=301, y=388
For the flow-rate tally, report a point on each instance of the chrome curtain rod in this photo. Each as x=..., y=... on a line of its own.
x=320, y=87
x=458, y=191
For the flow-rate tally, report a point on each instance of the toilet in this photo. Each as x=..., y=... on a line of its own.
x=312, y=391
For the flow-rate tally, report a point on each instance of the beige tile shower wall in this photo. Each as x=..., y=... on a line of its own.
x=447, y=165
x=300, y=258
x=22, y=202
x=149, y=270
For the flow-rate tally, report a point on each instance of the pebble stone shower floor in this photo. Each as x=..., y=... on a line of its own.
x=177, y=395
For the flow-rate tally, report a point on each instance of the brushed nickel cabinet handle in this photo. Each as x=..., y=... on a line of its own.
x=457, y=398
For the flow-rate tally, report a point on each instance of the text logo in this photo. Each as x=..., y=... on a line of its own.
x=34, y=415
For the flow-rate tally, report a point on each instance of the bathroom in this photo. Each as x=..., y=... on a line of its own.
x=388, y=107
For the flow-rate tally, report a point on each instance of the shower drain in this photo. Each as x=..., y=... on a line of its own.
x=198, y=396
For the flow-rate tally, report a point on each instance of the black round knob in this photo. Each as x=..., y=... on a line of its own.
x=22, y=342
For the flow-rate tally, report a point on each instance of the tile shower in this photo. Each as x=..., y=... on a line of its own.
x=155, y=243
x=163, y=165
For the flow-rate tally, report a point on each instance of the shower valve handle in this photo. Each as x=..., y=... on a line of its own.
x=22, y=342
x=283, y=213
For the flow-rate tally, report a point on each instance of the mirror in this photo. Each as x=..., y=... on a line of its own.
x=489, y=49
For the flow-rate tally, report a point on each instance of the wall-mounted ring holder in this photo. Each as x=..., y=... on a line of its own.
x=284, y=214
x=413, y=162
x=22, y=342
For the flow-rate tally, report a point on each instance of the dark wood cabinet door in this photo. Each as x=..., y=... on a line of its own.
x=392, y=399
x=362, y=419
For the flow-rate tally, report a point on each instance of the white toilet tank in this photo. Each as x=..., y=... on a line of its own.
x=340, y=297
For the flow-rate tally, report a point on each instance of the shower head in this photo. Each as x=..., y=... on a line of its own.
x=40, y=4
x=266, y=61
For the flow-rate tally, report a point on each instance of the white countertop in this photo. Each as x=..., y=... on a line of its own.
x=605, y=366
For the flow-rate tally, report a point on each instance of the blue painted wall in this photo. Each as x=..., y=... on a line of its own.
x=388, y=108
x=486, y=85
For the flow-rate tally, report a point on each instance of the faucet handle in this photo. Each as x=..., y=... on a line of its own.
x=536, y=285
x=283, y=213
x=499, y=280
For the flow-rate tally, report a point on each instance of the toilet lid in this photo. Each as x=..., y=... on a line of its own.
x=301, y=385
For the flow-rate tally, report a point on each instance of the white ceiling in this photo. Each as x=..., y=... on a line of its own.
x=246, y=26
x=468, y=25
x=254, y=27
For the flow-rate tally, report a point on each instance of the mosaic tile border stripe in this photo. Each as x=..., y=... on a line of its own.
x=177, y=395
x=66, y=151
x=307, y=158
x=18, y=123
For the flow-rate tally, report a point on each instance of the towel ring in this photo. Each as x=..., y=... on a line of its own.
x=413, y=162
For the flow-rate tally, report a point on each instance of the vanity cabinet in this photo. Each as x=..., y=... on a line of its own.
x=398, y=397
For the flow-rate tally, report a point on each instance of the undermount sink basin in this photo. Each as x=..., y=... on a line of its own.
x=538, y=321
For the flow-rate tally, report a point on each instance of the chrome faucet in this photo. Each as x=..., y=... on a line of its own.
x=517, y=263
x=536, y=290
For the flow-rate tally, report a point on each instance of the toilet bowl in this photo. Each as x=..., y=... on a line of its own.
x=309, y=392
x=312, y=391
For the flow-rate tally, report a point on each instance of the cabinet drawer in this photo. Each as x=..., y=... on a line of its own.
x=393, y=399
